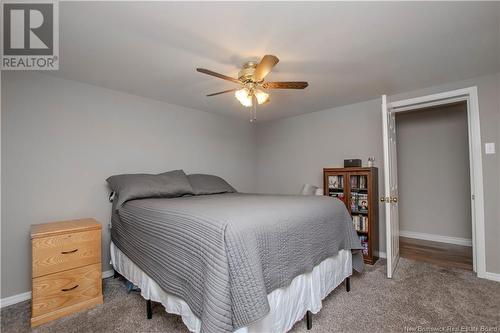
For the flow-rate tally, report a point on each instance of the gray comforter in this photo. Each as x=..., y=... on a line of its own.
x=224, y=253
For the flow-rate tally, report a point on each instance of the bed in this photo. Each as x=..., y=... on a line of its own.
x=234, y=262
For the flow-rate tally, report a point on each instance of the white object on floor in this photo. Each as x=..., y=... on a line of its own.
x=288, y=305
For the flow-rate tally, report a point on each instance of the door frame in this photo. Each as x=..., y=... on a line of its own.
x=470, y=96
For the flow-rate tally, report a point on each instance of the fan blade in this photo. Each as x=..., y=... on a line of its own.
x=285, y=85
x=264, y=67
x=223, y=92
x=220, y=76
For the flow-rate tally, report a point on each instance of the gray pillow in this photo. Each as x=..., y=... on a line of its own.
x=136, y=186
x=209, y=184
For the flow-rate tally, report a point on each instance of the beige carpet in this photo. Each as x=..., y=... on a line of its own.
x=420, y=295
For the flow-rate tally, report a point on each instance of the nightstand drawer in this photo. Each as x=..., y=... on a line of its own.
x=62, y=252
x=56, y=291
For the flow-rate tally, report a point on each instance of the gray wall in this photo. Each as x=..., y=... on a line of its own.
x=60, y=144
x=433, y=171
x=61, y=139
x=294, y=150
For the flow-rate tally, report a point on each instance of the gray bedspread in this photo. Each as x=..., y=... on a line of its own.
x=224, y=253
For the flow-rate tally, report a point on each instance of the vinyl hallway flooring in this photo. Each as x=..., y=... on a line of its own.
x=441, y=254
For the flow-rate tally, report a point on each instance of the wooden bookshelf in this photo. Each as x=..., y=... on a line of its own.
x=357, y=188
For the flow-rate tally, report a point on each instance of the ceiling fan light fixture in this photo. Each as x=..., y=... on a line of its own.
x=244, y=97
x=261, y=96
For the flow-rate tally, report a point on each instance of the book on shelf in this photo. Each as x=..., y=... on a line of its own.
x=360, y=223
x=338, y=195
x=358, y=182
x=365, y=248
x=364, y=244
x=362, y=182
x=359, y=203
x=354, y=201
x=363, y=202
x=335, y=182
x=354, y=181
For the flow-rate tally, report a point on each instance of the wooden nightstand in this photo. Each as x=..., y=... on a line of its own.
x=66, y=268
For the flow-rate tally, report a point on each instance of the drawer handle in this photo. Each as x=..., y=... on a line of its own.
x=67, y=252
x=68, y=289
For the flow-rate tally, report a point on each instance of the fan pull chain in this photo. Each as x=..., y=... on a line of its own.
x=253, y=112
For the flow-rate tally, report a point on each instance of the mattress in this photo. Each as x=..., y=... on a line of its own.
x=287, y=305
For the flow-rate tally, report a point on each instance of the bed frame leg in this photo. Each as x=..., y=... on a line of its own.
x=348, y=284
x=149, y=309
x=309, y=320
x=115, y=274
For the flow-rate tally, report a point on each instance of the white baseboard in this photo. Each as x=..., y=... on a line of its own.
x=107, y=274
x=491, y=276
x=436, y=238
x=380, y=254
x=6, y=301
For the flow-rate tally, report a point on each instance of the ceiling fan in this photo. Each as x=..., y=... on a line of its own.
x=251, y=82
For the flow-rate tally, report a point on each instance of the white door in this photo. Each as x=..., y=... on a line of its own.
x=390, y=198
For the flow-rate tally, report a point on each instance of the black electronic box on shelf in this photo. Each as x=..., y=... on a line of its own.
x=352, y=163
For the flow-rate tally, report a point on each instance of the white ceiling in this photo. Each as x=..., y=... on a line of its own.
x=349, y=52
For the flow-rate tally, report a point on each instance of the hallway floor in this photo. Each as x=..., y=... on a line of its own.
x=441, y=254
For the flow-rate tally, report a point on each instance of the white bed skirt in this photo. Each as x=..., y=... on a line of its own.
x=288, y=305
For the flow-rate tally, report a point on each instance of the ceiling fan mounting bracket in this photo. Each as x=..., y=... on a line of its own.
x=246, y=73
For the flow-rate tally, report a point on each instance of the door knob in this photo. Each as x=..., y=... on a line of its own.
x=394, y=199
